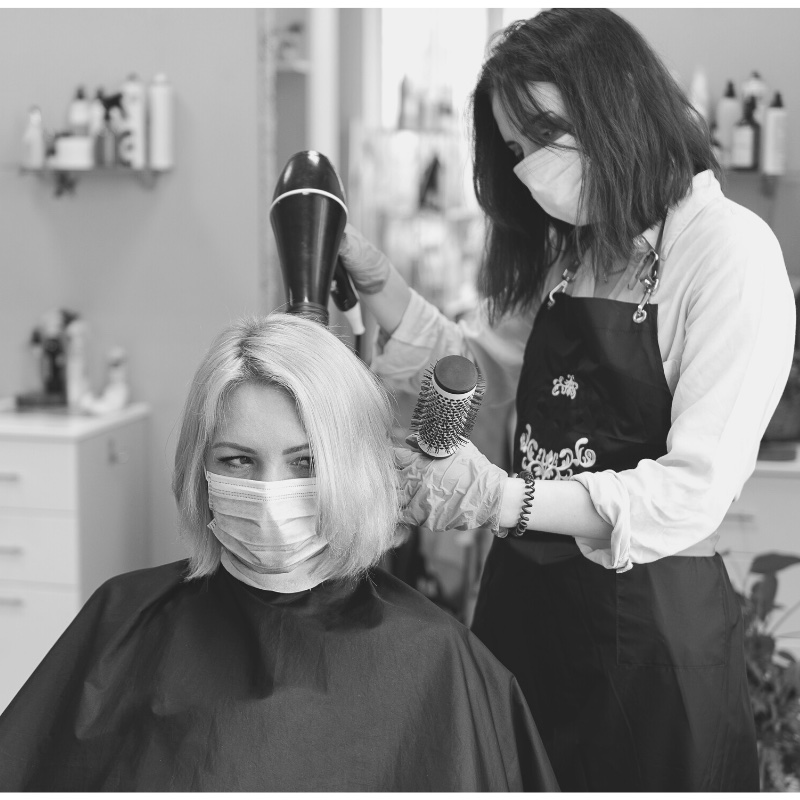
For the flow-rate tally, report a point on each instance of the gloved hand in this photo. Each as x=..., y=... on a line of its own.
x=461, y=492
x=365, y=264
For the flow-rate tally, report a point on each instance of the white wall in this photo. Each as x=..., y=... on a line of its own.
x=729, y=43
x=159, y=270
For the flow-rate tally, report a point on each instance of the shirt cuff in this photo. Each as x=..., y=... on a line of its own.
x=612, y=502
x=401, y=356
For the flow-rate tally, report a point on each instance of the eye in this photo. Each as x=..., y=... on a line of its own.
x=547, y=130
x=236, y=462
x=304, y=462
x=303, y=466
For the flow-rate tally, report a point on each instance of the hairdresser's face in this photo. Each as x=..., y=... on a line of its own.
x=548, y=126
x=260, y=437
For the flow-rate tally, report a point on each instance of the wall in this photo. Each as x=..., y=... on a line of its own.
x=158, y=271
x=729, y=43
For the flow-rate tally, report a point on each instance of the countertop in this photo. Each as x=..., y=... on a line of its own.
x=65, y=425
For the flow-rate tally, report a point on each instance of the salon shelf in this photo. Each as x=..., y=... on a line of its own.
x=65, y=180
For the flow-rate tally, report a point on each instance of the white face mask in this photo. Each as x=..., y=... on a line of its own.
x=268, y=531
x=554, y=177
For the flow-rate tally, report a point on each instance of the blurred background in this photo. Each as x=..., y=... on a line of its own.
x=133, y=253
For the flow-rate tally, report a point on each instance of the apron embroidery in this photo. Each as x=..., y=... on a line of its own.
x=569, y=387
x=552, y=465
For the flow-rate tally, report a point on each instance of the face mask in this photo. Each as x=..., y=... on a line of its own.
x=268, y=531
x=554, y=177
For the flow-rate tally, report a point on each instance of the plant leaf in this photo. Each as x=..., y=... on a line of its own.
x=764, y=594
x=772, y=562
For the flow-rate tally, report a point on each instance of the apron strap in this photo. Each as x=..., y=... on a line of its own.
x=650, y=279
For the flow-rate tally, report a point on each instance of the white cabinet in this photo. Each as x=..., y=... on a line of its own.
x=73, y=513
x=766, y=518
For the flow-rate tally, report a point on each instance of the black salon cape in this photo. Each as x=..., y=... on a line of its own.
x=211, y=685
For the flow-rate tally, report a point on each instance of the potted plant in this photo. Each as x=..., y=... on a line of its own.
x=773, y=676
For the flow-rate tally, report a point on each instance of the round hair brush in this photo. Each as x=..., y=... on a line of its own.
x=448, y=402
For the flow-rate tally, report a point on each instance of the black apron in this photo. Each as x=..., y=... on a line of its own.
x=636, y=680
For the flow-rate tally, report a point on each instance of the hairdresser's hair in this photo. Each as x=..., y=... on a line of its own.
x=640, y=141
x=346, y=415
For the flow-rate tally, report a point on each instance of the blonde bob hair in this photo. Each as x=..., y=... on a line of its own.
x=346, y=415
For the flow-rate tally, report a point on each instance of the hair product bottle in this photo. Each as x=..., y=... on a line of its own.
x=728, y=112
x=161, y=123
x=756, y=87
x=132, y=147
x=78, y=114
x=773, y=161
x=33, y=141
x=746, y=136
x=698, y=93
x=97, y=114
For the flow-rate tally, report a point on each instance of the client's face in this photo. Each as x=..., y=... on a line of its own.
x=260, y=437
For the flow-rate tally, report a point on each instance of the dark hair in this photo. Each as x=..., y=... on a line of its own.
x=641, y=143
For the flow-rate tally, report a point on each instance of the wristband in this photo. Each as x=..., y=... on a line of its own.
x=527, y=502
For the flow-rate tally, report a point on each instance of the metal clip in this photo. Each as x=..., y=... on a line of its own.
x=651, y=266
x=561, y=286
x=651, y=286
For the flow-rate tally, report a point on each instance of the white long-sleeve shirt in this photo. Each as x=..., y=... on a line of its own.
x=726, y=325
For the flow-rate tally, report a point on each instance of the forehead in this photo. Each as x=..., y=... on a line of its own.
x=260, y=416
x=547, y=96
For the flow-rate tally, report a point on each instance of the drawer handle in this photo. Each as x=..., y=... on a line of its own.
x=9, y=477
x=117, y=454
x=13, y=550
x=12, y=602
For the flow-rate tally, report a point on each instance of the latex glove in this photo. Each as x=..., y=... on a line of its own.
x=461, y=492
x=368, y=267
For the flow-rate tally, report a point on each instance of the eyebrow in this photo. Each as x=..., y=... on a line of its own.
x=296, y=449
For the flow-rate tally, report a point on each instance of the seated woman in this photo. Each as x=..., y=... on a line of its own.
x=278, y=657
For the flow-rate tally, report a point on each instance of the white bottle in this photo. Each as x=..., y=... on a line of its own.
x=97, y=114
x=746, y=149
x=774, y=138
x=78, y=114
x=698, y=93
x=33, y=141
x=755, y=87
x=76, y=335
x=161, y=123
x=116, y=394
x=132, y=147
x=729, y=110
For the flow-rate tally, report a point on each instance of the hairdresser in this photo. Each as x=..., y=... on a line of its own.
x=642, y=325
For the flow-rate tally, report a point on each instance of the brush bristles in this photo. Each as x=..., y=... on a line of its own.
x=443, y=425
x=474, y=407
x=425, y=391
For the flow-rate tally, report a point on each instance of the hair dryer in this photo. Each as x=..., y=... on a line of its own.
x=308, y=216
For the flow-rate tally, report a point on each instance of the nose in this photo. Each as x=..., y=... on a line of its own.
x=272, y=471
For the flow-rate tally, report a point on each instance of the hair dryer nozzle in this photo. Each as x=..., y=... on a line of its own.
x=308, y=216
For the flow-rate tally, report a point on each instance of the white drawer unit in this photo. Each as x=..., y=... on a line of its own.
x=766, y=519
x=73, y=513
